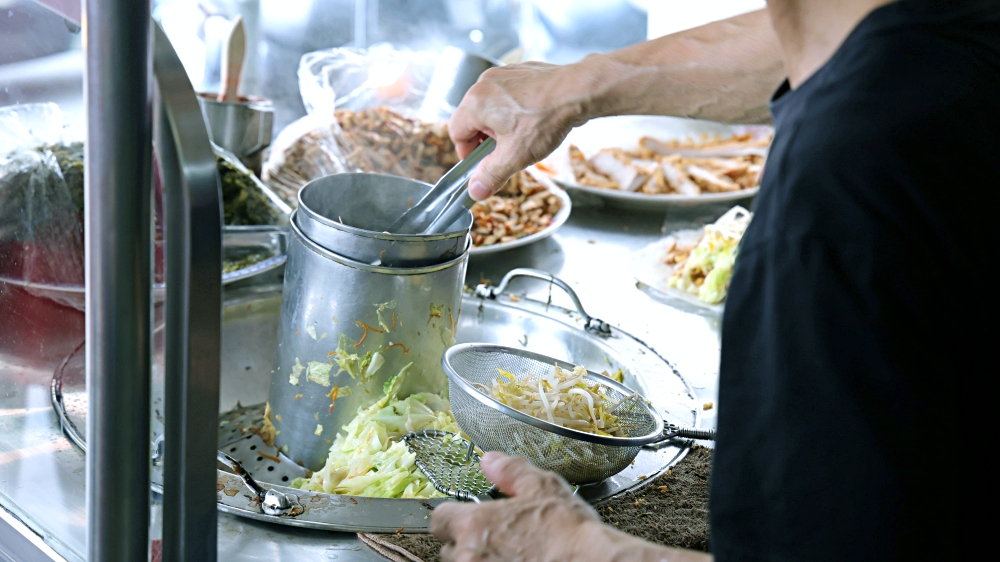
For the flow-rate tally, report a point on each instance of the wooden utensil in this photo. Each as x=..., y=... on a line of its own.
x=233, y=53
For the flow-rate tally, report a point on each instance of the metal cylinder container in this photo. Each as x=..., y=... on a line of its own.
x=348, y=213
x=243, y=127
x=348, y=327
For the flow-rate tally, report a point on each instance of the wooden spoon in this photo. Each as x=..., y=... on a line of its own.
x=233, y=53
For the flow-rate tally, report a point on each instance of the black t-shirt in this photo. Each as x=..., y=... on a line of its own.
x=857, y=326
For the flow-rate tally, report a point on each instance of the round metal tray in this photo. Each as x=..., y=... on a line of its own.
x=250, y=325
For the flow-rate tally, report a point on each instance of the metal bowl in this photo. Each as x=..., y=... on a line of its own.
x=346, y=214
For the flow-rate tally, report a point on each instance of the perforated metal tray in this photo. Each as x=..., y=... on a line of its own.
x=250, y=323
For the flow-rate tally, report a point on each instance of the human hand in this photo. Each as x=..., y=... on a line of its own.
x=541, y=520
x=527, y=108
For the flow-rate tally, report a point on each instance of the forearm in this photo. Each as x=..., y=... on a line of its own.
x=597, y=542
x=724, y=71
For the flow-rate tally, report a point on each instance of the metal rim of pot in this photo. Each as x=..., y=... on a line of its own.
x=355, y=231
x=313, y=246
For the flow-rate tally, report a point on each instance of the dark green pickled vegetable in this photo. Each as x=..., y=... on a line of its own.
x=243, y=202
x=70, y=159
x=241, y=257
x=229, y=266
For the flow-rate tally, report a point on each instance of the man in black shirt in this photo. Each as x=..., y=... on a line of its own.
x=856, y=306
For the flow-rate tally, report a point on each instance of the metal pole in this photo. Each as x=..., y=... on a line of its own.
x=117, y=229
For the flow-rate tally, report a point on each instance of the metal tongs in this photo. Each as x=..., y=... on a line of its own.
x=446, y=201
x=270, y=501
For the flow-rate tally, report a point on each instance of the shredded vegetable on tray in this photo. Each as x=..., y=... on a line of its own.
x=562, y=398
x=705, y=269
x=369, y=459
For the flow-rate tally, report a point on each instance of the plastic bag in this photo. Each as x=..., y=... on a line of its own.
x=379, y=76
x=378, y=110
x=41, y=202
x=304, y=150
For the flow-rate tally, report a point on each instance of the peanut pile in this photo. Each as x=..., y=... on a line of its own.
x=523, y=207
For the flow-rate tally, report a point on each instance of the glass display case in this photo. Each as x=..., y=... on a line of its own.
x=113, y=374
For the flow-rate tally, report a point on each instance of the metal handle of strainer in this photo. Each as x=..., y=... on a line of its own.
x=594, y=325
x=671, y=431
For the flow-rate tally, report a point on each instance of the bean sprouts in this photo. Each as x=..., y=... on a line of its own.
x=564, y=398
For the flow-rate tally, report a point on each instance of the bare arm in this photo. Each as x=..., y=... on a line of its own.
x=541, y=521
x=723, y=71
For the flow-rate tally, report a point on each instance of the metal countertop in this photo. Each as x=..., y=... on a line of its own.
x=42, y=475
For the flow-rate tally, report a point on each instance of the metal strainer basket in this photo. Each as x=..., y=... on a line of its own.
x=579, y=457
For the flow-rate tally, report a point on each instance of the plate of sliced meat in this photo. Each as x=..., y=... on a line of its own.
x=652, y=162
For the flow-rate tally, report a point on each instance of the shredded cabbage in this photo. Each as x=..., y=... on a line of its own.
x=708, y=269
x=368, y=459
x=359, y=366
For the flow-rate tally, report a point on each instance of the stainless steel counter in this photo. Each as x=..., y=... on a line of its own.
x=42, y=474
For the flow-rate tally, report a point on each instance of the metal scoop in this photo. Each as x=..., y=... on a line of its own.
x=446, y=201
x=450, y=463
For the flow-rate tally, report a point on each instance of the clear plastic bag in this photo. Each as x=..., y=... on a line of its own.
x=304, y=150
x=41, y=202
x=379, y=76
x=374, y=110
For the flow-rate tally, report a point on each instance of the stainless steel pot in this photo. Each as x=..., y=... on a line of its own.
x=388, y=319
x=348, y=213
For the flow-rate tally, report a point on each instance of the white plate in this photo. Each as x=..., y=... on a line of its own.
x=651, y=271
x=625, y=131
x=557, y=220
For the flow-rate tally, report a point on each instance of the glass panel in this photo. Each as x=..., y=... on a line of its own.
x=42, y=475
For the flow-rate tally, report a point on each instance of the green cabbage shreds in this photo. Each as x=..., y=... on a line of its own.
x=706, y=271
x=368, y=459
x=379, y=309
x=318, y=372
x=293, y=377
x=362, y=367
x=391, y=386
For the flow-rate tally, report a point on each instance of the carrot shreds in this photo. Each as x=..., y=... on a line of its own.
x=333, y=396
x=365, y=335
x=269, y=457
x=405, y=351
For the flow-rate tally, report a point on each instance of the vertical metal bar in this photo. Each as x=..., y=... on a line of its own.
x=193, y=231
x=117, y=230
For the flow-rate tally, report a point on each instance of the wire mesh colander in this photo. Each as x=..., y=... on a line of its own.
x=579, y=457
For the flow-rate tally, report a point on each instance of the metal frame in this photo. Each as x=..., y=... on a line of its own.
x=193, y=212
x=20, y=543
x=118, y=234
x=122, y=56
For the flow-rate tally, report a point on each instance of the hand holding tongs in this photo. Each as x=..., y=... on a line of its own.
x=446, y=201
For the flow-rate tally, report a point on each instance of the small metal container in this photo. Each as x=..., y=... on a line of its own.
x=243, y=127
x=347, y=213
x=407, y=316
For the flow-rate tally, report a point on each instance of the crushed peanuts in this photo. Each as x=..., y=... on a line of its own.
x=522, y=207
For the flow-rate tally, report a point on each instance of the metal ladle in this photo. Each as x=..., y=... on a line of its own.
x=446, y=201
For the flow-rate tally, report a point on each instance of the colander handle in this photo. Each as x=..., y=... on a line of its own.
x=594, y=325
x=671, y=431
